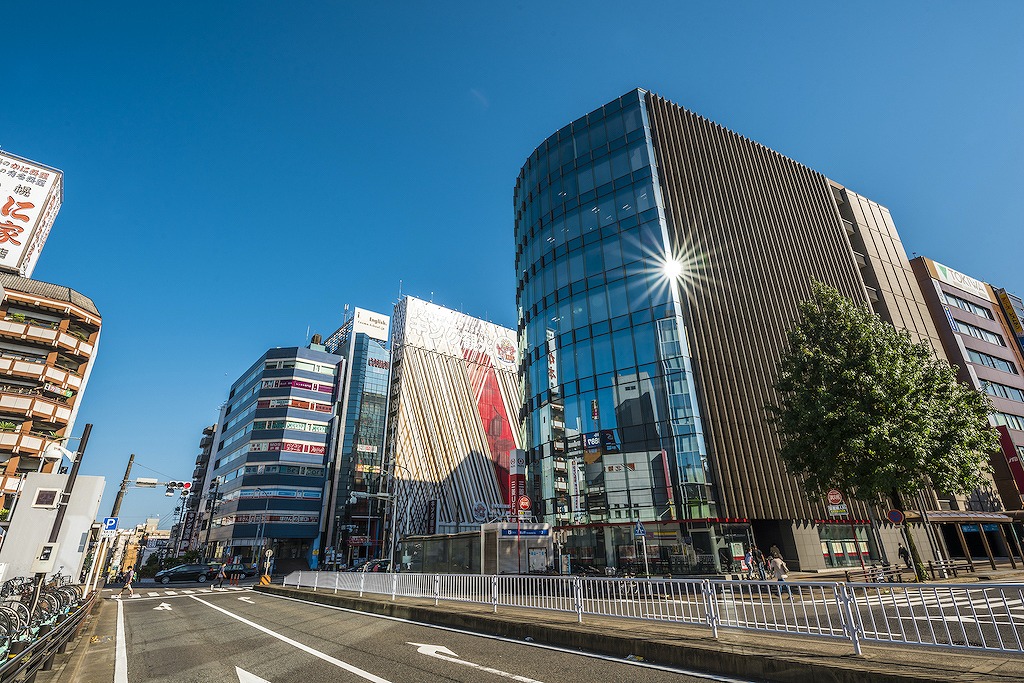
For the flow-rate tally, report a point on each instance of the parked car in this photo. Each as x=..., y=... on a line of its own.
x=240, y=569
x=375, y=566
x=187, y=572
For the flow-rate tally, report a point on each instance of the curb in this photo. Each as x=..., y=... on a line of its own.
x=677, y=649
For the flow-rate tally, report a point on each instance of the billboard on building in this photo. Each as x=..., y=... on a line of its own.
x=30, y=197
x=374, y=325
x=962, y=282
x=455, y=414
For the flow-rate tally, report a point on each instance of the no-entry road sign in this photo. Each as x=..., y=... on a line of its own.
x=835, y=497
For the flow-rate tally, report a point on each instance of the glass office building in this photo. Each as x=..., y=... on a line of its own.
x=660, y=262
x=354, y=531
x=611, y=411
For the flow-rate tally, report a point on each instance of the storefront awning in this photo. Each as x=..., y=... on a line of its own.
x=962, y=516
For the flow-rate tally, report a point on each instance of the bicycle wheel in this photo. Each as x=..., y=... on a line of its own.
x=20, y=610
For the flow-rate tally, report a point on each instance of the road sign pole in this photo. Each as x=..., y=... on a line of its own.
x=643, y=543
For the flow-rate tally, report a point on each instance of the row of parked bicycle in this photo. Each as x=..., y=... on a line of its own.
x=19, y=624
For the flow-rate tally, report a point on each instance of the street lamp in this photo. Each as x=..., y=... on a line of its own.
x=393, y=499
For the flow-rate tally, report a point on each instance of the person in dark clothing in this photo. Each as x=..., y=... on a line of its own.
x=904, y=555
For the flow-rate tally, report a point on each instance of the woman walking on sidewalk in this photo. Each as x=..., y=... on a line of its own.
x=129, y=576
x=781, y=572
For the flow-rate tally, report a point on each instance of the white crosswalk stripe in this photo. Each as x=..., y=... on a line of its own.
x=154, y=595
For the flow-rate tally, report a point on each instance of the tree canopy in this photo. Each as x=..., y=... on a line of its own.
x=864, y=409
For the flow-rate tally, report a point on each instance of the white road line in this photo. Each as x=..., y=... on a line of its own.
x=153, y=595
x=170, y=593
x=294, y=643
x=188, y=592
x=121, y=649
x=553, y=648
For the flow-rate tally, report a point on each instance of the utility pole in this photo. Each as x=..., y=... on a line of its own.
x=100, y=560
x=213, y=500
x=124, y=487
x=62, y=506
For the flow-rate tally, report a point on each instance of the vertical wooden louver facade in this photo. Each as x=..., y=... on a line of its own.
x=764, y=227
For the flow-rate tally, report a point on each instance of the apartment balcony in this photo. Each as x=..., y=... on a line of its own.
x=33, y=404
x=26, y=329
x=860, y=259
x=35, y=368
x=848, y=225
x=25, y=444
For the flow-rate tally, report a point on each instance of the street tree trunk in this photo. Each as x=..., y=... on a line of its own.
x=915, y=556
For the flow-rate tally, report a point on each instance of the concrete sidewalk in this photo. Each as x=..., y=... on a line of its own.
x=90, y=658
x=743, y=654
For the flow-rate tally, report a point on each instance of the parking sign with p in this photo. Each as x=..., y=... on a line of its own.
x=110, y=523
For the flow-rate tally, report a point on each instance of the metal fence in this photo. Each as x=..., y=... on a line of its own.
x=976, y=617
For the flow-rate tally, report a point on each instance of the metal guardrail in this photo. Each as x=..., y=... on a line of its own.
x=35, y=651
x=987, y=617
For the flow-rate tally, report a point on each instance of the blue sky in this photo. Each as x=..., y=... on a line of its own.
x=237, y=172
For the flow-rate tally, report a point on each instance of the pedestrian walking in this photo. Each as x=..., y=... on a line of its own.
x=904, y=555
x=780, y=572
x=221, y=575
x=762, y=564
x=774, y=552
x=234, y=576
x=129, y=576
x=748, y=561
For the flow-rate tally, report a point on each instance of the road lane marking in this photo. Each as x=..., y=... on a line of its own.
x=246, y=677
x=294, y=643
x=158, y=596
x=247, y=599
x=188, y=592
x=163, y=606
x=441, y=652
x=121, y=649
x=503, y=639
x=169, y=593
x=154, y=595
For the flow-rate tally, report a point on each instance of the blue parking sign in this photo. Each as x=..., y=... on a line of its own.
x=110, y=523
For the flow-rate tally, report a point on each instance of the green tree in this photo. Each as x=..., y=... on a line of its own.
x=864, y=409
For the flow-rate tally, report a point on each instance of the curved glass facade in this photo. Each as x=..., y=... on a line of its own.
x=611, y=419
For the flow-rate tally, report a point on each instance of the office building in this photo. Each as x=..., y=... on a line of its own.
x=270, y=457
x=452, y=419
x=978, y=325
x=354, y=531
x=660, y=261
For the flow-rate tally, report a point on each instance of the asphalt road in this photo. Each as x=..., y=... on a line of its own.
x=188, y=633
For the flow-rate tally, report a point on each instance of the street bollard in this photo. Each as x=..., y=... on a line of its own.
x=362, y=581
x=394, y=585
x=494, y=593
x=316, y=580
x=437, y=588
x=335, y=582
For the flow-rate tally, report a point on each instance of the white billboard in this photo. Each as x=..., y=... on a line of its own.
x=374, y=325
x=30, y=197
x=962, y=282
x=436, y=328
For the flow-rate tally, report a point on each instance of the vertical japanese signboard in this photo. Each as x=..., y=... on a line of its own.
x=30, y=197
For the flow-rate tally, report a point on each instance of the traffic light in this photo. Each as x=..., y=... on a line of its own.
x=173, y=486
